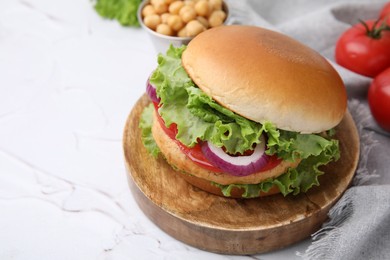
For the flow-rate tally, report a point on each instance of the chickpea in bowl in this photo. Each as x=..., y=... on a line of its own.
x=178, y=21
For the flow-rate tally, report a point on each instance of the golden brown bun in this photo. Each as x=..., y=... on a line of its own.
x=266, y=76
x=209, y=187
x=201, y=177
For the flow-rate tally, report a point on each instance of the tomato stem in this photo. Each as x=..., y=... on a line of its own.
x=376, y=31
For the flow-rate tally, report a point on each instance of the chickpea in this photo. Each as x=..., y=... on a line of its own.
x=148, y=10
x=194, y=27
x=220, y=13
x=202, y=8
x=175, y=7
x=158, y=2
x=160, y=6
x=189, y=2
x=168, y=2
x=175, y=22
x=187, y=13
x=215, y=20
x=152, y=21
x=185, y=9
x=203, y=21
x=164, y=29
x=182, y=32
x=164, y=18
x=216, y=4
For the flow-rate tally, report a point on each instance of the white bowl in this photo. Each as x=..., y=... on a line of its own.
x=162, y=42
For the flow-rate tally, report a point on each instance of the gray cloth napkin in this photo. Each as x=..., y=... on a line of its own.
x=359, y=224
x=358, y=228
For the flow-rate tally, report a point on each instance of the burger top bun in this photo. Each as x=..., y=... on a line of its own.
x=266, y=76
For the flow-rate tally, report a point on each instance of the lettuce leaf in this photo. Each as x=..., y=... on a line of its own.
x=294, y=181
x=292, y=145
x=198, y=117
x=125, y=11
x=146, y=122
x=250, y=190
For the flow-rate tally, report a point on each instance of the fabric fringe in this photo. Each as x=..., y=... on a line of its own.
x=323, y=241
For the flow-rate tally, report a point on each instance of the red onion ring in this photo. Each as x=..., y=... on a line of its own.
x=236, y=165
x=151, y=91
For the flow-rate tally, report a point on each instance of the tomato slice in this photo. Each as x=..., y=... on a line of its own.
x=195, y=153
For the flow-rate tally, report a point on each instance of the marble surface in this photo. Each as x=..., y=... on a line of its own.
x=68, y=80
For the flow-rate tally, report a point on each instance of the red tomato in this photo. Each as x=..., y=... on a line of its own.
x=364, y=50
x=196, y=155
x=385, y=12
x=379, y=99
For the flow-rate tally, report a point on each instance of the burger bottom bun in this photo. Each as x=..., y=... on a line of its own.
x=236, y=192
x=204, y=179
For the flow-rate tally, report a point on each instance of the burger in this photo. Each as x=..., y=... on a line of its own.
x=244, y=112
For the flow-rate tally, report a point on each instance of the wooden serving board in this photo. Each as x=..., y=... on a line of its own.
x=232, y=226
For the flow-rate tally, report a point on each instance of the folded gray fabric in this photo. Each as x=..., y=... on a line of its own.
x=359, y=225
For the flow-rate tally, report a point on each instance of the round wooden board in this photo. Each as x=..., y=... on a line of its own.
x=232, y=226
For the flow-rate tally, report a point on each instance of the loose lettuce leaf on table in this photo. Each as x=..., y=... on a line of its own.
x=125, y=11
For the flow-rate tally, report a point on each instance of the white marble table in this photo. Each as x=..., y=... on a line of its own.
x=68, y=80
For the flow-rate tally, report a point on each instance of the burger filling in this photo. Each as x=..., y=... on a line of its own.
x=194, y=120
